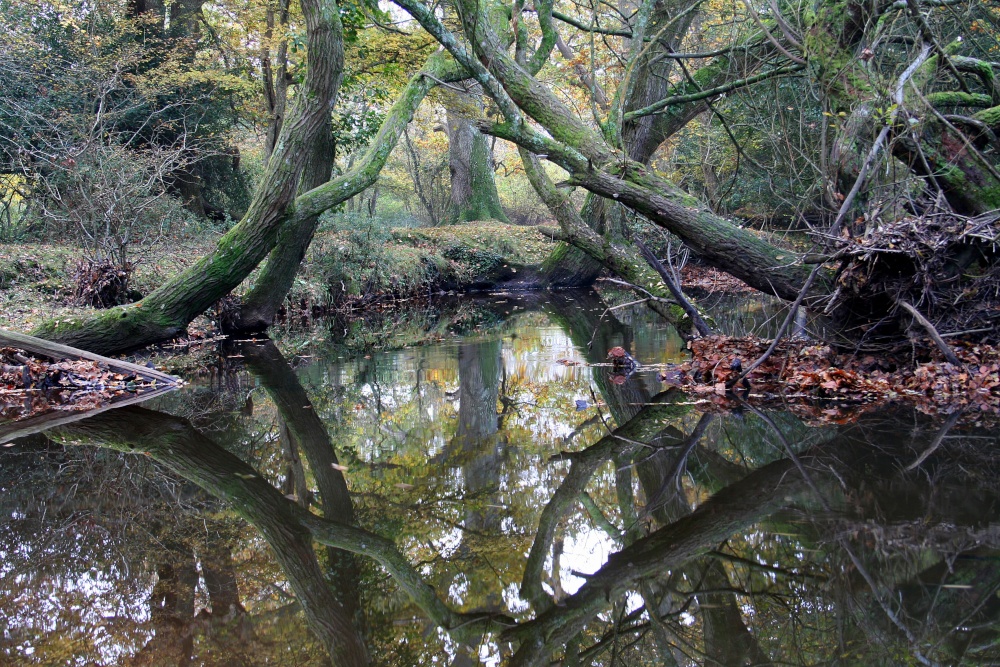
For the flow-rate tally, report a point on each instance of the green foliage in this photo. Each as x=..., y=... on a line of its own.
x=81, y=78
x=14, y=225
x=356, y=258
x=772, y=173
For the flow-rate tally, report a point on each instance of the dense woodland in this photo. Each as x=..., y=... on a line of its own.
x=689, y=127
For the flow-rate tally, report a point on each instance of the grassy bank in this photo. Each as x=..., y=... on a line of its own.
x=37, y=279
x=358, y=266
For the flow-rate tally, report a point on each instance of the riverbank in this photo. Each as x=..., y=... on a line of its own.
x=343, y=270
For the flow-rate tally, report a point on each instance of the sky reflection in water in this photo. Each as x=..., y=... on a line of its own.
x=481, y=487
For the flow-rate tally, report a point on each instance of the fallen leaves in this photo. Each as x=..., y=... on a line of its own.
x=711, y=279
x=30, y=385
x=813, y=374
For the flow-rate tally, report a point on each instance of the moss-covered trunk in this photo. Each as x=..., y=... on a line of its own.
x=470, y=162
x=952, y=162
x=651, y=82
x=259, y=306
x=167, y=311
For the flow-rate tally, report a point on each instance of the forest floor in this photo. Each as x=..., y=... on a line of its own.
x=824, y=384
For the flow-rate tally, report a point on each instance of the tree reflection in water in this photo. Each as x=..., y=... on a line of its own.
x=734, y=540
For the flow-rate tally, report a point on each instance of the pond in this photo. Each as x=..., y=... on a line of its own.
x=470, y=484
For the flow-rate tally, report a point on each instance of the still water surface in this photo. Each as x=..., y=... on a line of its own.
x=483, y=493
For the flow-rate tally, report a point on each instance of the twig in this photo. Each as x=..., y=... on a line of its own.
x=637, y=288
x=949, y=354
x=938, y=439
x=675, y=290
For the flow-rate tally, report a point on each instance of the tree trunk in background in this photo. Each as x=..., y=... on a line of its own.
x=275, y=77
x=482, y=453
x=261, y=303
x=470, y=161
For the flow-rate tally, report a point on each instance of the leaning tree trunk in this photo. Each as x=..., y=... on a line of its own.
x=261, y=304
x=166, y=312
x=470, y=162
x=258, y=308
x=309, y=434
x=650, y=83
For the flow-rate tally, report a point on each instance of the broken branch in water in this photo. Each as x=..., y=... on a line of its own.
x=59, y=352
x=949, y=353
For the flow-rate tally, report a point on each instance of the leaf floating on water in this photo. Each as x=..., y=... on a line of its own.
x=337, y=466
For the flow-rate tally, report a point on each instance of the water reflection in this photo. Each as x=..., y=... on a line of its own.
x=450, y=503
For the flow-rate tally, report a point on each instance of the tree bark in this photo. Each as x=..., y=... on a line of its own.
x=470, y=162
x=259, y=306
x=166, y=312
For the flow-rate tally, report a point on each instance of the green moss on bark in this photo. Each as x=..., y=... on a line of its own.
x=959, y=99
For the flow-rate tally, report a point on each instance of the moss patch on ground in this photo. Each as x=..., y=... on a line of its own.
x=356, y=265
